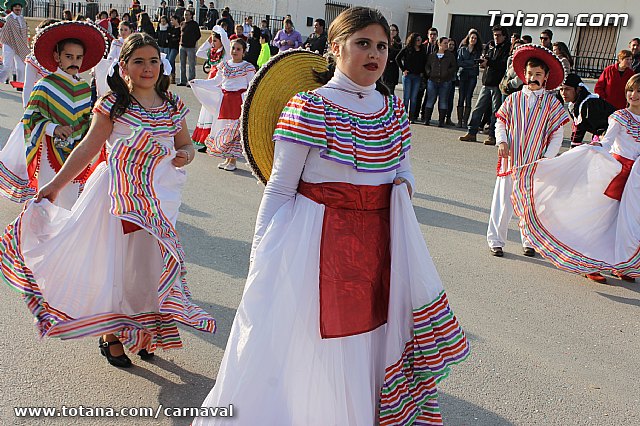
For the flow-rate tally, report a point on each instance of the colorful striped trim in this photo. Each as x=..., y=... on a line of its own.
x=164, y=121
x=559, y=253
x=630, y=124
x=529, y=128
x=226, y=143
x=13, y=187
x=367, y=142
x=243, y=70
x=409, y=393
x=131, y=163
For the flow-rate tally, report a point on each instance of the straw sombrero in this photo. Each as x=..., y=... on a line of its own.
x=88, y=33
x=557, y=72
x=8, y=4
x=285, y=75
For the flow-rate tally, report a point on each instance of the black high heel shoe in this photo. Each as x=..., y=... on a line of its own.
x=122, y=361
x=145, y=355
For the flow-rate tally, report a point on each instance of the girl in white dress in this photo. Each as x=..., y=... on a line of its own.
x=343, y=320
x=581, y=208
x=113, y=266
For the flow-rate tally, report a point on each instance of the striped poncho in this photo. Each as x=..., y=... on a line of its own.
x=61, y=100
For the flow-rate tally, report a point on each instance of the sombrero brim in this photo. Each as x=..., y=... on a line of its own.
x=10, y=3
x=557, y=72
x=89, y=34
x=285, y=75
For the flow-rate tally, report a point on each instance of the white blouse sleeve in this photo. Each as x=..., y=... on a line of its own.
x=555, y=143
x=288, y=163
x=610, y=136
x=203, y=49
x=404, y=171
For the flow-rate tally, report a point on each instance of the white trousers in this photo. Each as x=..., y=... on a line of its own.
x=501, y=212
x=12, y=63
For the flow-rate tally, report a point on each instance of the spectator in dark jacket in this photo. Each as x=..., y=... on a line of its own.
x=589, y=112
x=174, y=44
x=212, y=16
x=163, y=10
x=412, y=60
x=145, y=25
x=391, y=71
x=317, y=41
x=612, y=81
x=189, y=36
x=115, y=22
x=468, y=61
x=494, y=61
x=634, y=47
x=180, y=10
x=253, y=50
x=440, y=70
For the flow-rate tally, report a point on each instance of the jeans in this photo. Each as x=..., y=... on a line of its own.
x=441, y=90
x=490, y=96
x=452, y=93
x=171, y=56
x=187, y=53
x=465, y=93
x=410, y=87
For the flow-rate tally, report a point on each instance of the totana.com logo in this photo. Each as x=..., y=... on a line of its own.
x=521, y=18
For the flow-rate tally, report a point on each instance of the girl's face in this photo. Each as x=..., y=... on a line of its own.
x=451, y=45
x=124, y=31
x=633, y=97
x=163, y=20
x=143, y=67
x=216, y=43
x=237, y=52
x=473, y=39
x=394, y=31
x=444, y=44
x=418, y=41
x=363, y=55
x=126, y=18
x=556, y=50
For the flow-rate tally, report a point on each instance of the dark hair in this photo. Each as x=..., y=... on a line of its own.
x=190, y=12
x=636, y=39
x=500, y=28
x=127, y=24
x=548, y=33
x=441, y=39
x=255, y=32
x=66, y=12
x=432, y=29
x=144, y=18
x=80, y=17
x=63, y=43
x=411, y=39
x=176, y=17
x=465, y=41
x=46, y=22
x=113, y=10
x=266, y=36
x=515, y=35
x=120, y=88
x=346, y=23
x=515, y=44
x=396, y=39
x=321, y=22
x=288, y=21
x=527, y=39
x=535, y=62
x=127, y=14
x=564, y=50
x=241, y=42
x=104, y=12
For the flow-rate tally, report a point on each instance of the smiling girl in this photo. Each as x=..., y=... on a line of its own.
x=113, y=266
x=342, y=302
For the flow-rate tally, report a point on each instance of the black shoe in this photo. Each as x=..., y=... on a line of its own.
x=181, y=84
x=496, y=251
x=146, y=355
x=528, y=251
x=203, y=149
x=122, y=361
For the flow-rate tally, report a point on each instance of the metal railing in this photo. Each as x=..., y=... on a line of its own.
x=55, y=8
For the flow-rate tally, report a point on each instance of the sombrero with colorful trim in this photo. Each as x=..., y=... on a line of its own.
x=285, y=75
x=557, y=71
x=8, y=4
x=88, y=33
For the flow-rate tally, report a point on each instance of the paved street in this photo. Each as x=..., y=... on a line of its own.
x=549, y=348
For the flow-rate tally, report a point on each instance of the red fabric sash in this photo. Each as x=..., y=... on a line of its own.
x=355, y=256
x=231, y=105
x=616, y=187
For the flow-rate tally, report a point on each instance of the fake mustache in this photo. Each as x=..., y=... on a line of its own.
x=73, y=67
x=536, y=82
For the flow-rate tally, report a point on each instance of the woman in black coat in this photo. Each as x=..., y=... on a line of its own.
x=392, y=71
x=253, y=51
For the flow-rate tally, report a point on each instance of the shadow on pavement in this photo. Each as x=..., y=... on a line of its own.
x=190, y=211
x=457, y=411
x=620, y=299
x=225, y=255
x=190, y=390
x=451, y=203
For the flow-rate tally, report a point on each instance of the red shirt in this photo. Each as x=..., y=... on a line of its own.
x=610, y=85
x=235, y=36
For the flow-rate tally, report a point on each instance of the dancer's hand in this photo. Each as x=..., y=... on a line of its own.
x=503, y=150
x=50, y=191
x=401, y=180
x=63, y=132
x=596, y=144
x=181, y=159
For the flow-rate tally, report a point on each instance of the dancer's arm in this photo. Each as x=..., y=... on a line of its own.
x=609, y=137
x=81, y=156
x=555, y=142
x=405, y=175
x=184, y=147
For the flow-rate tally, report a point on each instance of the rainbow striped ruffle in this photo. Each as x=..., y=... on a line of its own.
x=132, y=163
x=13, y=187
x=367, y=142
x=409, y=394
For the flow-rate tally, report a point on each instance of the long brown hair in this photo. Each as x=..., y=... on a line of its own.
x=348, y=22
x=120, y=88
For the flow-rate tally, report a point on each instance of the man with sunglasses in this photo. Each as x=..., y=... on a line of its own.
x=545, y=39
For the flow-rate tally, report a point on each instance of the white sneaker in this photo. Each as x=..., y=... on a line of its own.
x=230, y=167
x=222, y=166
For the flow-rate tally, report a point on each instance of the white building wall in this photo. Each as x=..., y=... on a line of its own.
x=444, y=9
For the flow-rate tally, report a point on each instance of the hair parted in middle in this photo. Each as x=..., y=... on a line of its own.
x=119, y=86
x=345, y=25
